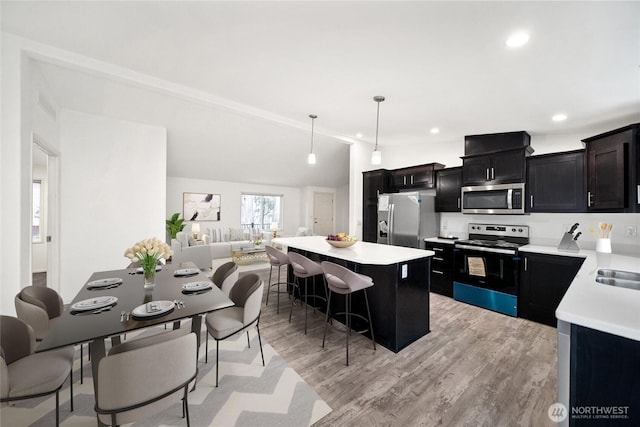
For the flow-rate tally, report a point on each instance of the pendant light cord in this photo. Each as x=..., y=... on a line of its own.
x=377, y=123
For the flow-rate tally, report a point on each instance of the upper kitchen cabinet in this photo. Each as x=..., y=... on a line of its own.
x=415, y=177
x=497, y=168
x=448, y=183
x=613, y=166
x=373, y=183
x=492, y=142
x=555, y=182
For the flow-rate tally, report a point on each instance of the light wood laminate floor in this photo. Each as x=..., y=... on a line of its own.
x=475, y=368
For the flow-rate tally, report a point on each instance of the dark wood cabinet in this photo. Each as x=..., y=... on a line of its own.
x=373, y=183
x=555, y=182
x=603, y=373
x=415, y=177
x=613, y=182
x=494, y=142
x=448, y=183
x=544, y=279
x=441, y=268
x=498, y=168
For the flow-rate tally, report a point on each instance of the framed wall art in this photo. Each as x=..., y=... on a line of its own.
x=201, y=206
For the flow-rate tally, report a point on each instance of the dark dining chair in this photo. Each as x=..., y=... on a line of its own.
x=40, y=307
x=225, y=276
x=25, y=374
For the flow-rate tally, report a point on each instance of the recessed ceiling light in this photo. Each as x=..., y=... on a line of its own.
x=559, y=118
x=358, y=135
x=517, y=39
x=434, y=130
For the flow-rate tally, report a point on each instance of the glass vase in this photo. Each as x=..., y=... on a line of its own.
x=150, y=278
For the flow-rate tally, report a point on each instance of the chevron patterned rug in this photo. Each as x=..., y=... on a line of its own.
x=248, y=394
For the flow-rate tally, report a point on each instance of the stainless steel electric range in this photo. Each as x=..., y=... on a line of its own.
x=487, y=266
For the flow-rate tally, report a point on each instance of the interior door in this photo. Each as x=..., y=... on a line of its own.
x=323, y=214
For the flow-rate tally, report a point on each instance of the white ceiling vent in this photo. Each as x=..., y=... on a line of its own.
x=46, y=106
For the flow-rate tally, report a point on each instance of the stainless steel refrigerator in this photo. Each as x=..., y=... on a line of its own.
x=406, y=219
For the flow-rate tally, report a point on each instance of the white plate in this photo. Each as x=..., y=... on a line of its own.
x=94, y=303
x=153, y=308
x=197, y=286
x=186, y=272
x=140, y=270
x=104, y=283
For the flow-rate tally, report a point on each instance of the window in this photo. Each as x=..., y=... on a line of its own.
x=259, y=211
x=36, y=223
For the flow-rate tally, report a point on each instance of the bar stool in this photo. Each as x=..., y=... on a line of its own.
x=276, y=259
x=303, y=268
x=343, y=281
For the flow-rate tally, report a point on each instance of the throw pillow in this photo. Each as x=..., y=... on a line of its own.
x=192, y=241
x=236, y=234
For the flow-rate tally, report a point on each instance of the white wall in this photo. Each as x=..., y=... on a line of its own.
x=113, y=181
x=230, y=201
x=15, y=174
x=342, y=209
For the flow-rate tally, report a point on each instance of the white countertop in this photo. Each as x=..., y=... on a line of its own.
x=360, y=252
x=587, y=303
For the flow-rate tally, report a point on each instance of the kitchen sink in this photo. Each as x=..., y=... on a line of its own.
x=623, y=279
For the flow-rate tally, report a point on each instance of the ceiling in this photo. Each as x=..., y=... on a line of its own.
x=246, y=75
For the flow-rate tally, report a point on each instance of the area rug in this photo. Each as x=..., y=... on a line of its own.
x=248, y=394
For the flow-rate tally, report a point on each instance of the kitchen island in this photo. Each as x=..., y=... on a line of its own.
x=399, y=298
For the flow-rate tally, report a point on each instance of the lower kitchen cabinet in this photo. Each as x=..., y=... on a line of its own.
x=441, y=268
x=544, y=279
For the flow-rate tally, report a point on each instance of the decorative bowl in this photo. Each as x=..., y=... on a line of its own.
x=341, y=243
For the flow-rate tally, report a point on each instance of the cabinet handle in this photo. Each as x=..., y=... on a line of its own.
x=487, y=174
x=493, y=173
x=438, y=272
x=411, y=179
x=526, y=264
x=437, y=249
x=404, y=180
x=532, y=200
x=436, y=258
x=589, y=198
x=459, y=202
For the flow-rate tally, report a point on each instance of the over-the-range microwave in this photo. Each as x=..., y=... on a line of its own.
x=493, y=199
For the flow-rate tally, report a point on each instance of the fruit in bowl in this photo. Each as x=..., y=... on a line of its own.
x=341, y=240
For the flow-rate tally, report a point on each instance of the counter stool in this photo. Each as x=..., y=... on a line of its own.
x=343, y=281
x=276, y=259
x=303, y=268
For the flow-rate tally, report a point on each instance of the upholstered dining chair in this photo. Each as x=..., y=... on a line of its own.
x=39, y=307
x=25, y=374
x=142, y=377
x=225, y=276
x=246, y=294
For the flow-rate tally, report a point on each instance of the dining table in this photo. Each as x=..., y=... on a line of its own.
x=95, y=326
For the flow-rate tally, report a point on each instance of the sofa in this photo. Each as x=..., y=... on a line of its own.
x=213, y=244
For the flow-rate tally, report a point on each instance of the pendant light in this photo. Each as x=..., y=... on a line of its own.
x=376, y=155
x=311, y=158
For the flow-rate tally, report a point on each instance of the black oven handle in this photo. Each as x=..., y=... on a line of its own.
x=484, y=249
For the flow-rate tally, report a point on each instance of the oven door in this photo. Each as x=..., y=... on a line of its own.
x=488, y=268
